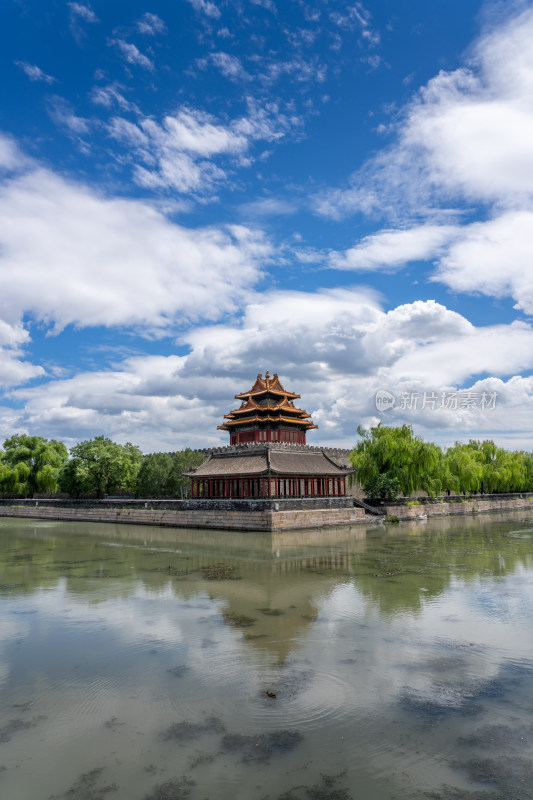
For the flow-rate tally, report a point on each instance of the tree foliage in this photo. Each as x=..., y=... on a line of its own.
x=398, y=455
x=31, y=464
x=161, y=473
x=153, y=479
x=100, y=466
x=387, y=454
x=382, y=487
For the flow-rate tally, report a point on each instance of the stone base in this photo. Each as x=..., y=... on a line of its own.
x=258, y=504
x=268, y=520
x=457, y=508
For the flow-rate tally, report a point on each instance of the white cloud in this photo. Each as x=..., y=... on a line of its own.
x=34, y=72
x=356, y=16
x=151, y=24
x=14, y=369
x=11, y=157
x=336, y=348
x=79, y=13
x=64, y=117
x=466, y=138
x=196, y=132
x=110, y=95
x=495, y=258
x=269, y=206
x=132, y=54
x=127, y=132
x=298, y=69
x=230, y=66
x=179, y=153
x=393, y=248
x=84, y=12
x=206, y=7
x=466, y=135
x=68, y=255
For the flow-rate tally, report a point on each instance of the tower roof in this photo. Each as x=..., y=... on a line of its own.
x=267, y=404
x=266, y=385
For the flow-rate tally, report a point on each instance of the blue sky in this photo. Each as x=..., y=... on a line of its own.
x=194, y=191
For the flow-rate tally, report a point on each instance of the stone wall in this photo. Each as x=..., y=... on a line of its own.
x=196, y=504
x=226, y=520
x=457, y=508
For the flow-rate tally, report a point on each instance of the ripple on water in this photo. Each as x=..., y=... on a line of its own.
x=87, y=698
x=307, y=699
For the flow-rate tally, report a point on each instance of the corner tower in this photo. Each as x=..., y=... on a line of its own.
x=267, y=414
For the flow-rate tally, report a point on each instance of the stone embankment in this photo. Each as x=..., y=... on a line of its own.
x=266, y=520
x=457, y=507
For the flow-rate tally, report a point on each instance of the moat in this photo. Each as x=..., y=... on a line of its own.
x=368, y=662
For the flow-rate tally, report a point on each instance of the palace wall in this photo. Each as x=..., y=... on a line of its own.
x=222, y=519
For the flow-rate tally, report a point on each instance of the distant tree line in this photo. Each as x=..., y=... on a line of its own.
x=389, y=462
x=392, y=461
x=31, y=464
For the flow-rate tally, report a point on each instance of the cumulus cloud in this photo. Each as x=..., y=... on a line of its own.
x=393, y=248
x=15, y=370
x=336, y=348
x=466, y=135
x=69, y=255
x=494, y=257
x=465, y=140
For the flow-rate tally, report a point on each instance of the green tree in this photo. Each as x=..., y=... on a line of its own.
x=161, y=473
x=397, y=455
x=154, y=478
x=6, y=476
x=33, y=464
x=183, y=461
x=464, y=469
x=503, y=470
x=101, y=466
x=382, y=488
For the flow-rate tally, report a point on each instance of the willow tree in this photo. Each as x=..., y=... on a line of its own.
x=33, y=463
x=502, y=470
x=396, y=455
x=464, y=467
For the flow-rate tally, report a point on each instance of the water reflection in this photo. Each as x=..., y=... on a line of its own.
x=377, y=663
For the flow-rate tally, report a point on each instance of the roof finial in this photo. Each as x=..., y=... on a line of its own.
x=267, y=374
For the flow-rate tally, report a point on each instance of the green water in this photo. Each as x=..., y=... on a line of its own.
x=135, y=662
